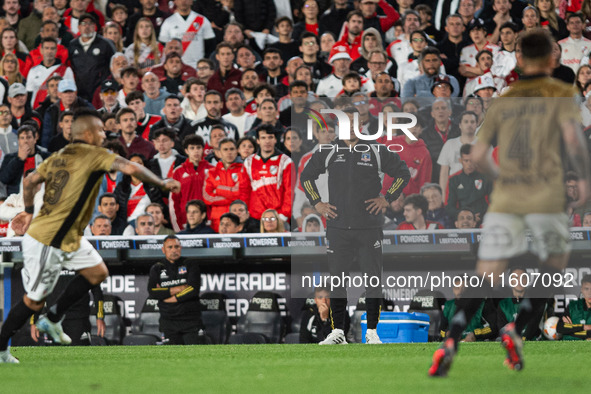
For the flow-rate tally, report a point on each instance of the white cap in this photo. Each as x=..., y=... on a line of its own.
x=485, y=81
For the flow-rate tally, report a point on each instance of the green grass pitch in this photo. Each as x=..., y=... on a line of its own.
x=393, y=368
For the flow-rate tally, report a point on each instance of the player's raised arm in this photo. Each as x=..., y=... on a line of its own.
x=30, y=184
x=142, y=173
x=21, y=222
x=576, y=150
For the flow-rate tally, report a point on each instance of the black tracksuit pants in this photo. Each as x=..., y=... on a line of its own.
x=344, y=245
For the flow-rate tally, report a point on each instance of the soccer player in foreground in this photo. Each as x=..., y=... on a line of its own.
x=529, y=124
x=54, y=239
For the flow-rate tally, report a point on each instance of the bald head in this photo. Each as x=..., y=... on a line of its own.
x=150, y=74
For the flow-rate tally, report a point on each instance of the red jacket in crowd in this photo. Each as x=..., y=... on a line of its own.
x=186, y=72
x=385, y=21
x=192, y=184
x=267, y=185
x=222, y=187
x=222, y=85
x=35, y=58
x=417, y=159
x=139, y=145
x=353, y=49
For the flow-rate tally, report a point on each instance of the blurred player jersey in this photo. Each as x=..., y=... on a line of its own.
x=72, y=180
x=525, y=124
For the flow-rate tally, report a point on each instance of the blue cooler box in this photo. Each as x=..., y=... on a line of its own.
x=400, y=327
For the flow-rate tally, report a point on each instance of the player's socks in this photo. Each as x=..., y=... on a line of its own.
x=18, y=316
x=338, y=308
x=373, y=312
x=75, y=290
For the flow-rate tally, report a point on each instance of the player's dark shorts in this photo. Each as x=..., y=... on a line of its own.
x=183, y=332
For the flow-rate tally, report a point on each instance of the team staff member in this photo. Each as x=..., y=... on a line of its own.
x=175, y=282
x=315, y=325
x=354, y=216
x=54, y=240
x=478, y=329
x=509, y=307
x=576, y=322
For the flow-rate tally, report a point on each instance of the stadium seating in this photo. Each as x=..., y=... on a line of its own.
x=146, y=326
x=297, y=322
x=115, y=330
x=214, y=317
x=140, y=340
x=430, y=303
x=263, y=317
x=148, y=320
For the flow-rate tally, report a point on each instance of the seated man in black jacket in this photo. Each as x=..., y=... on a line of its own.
x=315, y=325
x=468, y=189
x=175, y=282
x=248, y=223
x=19, y=107
x=108, y=206
x=167, y=158
x=229, y=223
x=65, y=129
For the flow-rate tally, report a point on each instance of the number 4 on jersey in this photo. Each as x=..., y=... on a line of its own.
x=520, y=148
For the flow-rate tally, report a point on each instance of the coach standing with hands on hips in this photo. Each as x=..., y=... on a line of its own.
x=354, y=216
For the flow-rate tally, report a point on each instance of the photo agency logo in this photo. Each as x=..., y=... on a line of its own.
x=344, y=127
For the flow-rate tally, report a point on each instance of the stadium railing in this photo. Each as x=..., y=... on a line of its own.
x=397, y=244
